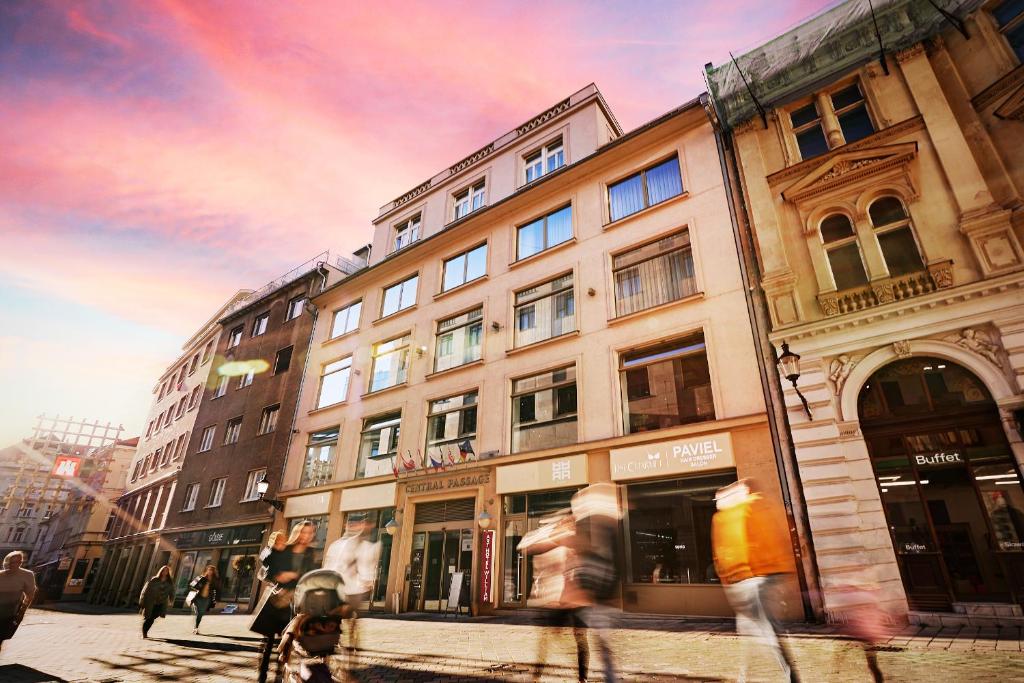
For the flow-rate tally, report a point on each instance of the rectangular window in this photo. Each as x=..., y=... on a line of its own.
x=346, y=319
x=378, y=445
x=451, y=430
x=544, y=410
x=852, y=113
x=810, y=134
x=545, y=311
x=295, y=308
x=182, y=404
x=206, y=443
x=390, y=363
x=235, y=337
x=207, y=353
x=1010, y=17
x=193, y=399
x=259, y=326
x=232, y=430
x=155, y=461
x=168, y=417
x=650, y=186
x=466, y=267
x=670, y=530
x=469, y=200
x=217, y=492
x=319, y=465
x=334, y=382
x=400, y=296
x=222, y=386
x=544, y=233
x=167, y=453
x=191, y=497
x=459, y=340
x=545, y=160
x=149, y=429
x=179, y=452
x=283, y=361
x=666, y=385
x=251, y=490
x=653, y=274
x=246, y=379
x=193, y=364
x=406, y=233
x=135, y=470
x=268, y=420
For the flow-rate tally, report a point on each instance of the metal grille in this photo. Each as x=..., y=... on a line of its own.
x=445, y=511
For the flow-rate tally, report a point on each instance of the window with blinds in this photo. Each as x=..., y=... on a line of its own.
x=545, y=311
x=650, y=186
x=653, y=274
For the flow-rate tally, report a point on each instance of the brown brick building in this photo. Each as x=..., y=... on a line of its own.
x=242, y=432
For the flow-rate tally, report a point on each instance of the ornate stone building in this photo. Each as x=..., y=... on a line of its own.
x=882, y=191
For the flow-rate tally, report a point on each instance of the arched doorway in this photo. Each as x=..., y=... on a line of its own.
x=948, y=482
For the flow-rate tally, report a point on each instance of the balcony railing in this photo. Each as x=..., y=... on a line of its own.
x=938, y=275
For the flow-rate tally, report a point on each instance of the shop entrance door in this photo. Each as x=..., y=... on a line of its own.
x=442, y=544
x=949, y=485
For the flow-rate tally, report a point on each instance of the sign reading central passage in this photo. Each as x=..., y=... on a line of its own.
x=681, y=456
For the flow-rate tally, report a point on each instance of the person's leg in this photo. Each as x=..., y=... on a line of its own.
x=765, y=629
x=773, y=602
x=599, y=619
x=266, y=654
x=579, y=633
x=147, y=621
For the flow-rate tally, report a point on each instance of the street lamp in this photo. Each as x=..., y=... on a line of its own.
x=789, y=367
x=261, y=488
x=484, y=519
x=392, y=527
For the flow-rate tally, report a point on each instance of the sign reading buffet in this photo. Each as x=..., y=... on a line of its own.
x=678, y=456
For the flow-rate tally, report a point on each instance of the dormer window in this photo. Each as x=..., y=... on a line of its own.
x=830, y=120
x=406, y=233
x=469, y=199
x=544, y=160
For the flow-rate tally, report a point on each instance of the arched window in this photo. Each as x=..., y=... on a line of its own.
x=895, y=237
x=843, y=252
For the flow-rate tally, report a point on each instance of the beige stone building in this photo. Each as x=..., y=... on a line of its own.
x=884, y=200
x=562, y=307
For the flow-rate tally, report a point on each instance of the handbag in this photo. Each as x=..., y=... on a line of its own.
x=269, y=620
x=281, y=598
x=190, y=598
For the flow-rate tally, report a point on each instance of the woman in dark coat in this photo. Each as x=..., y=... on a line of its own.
x=155, y=598
x=205, y=587
x=284, y=567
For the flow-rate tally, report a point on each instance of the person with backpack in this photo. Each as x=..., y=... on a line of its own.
x=156, y=598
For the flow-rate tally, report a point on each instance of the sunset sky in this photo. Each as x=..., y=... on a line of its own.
x=157, y=156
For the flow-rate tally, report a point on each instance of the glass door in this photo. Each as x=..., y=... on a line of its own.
x=436, y=556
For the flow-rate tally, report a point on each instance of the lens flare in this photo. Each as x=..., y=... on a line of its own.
x=237, y=368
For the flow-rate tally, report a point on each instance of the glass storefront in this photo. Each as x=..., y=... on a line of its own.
x=319, y=538
x=668, y=530
x=948, y=483
x=191, y=565
x=525, y=512
x=237, y=569
x=379, y=519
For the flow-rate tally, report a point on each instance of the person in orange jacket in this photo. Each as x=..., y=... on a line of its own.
x=752, y=554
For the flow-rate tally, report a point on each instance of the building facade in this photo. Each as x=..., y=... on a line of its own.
x=241, y=433
x=884, y=200
x=133, y=550
x=562, y=307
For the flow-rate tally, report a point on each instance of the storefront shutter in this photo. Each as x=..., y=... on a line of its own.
x=445, y=511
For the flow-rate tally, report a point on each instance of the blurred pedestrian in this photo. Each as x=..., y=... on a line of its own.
x=752, y=553
x=355, y=556
x=203, y=594
x=156, y=598
x=17, y=588
x=284, y=567
x=856, y=609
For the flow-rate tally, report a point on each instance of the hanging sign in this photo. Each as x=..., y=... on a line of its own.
x=66, y=466
x=486, y=566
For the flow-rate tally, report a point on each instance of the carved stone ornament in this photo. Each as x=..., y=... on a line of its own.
x=848, y=430
x=913, y=51
x=883, y=292
x=839, y=369
x=942, y=273
x=902, y=349
x=979, y=342
x=849, y=166
x=829, y=303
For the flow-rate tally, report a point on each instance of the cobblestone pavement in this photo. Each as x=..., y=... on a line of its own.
x=72, y=644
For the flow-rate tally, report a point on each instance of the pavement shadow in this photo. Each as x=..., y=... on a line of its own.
x=210, y=645
x=19, y=673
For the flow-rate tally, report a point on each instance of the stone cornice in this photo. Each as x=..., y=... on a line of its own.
x=906, y=126
x=1001, y=87
x=847, y=167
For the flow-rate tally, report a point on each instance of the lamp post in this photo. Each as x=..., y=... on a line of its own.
x=392, y=527
x=484, y=519
x=789, y=367
x=261, y=488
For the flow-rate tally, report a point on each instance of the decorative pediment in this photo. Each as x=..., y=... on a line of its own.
x=847, y=168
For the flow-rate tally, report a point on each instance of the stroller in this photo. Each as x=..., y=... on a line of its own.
x=315, y=632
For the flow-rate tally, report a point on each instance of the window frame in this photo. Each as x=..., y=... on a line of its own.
x=470, y=192
x=234, y=424
x=642, y=173
x=552, y=387
x=324, y=374
x=906, y=223
x=246, y=380
x=222, y=386
x=401, y=295
x=235, y=336
x=412, y=225
x=259, y=330
x=261, y=428
x=251, y=492
x=376, y=423
x=1015, y=23
x=840, y=243
x=191, y=497
x=462, y=408
x=347, y=309
x=277, y=359
x=330, y=442
x=374, y=356
x=532, y=300
x=547, y=245
x=205, y=447
x=544, y=153
x=301, y=301
x=822, y=98
x=685, y=249
x=465, y=267
x=217, y=488
x=470, y=321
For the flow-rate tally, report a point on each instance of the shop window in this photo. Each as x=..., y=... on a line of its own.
x=390, y=363
x=666, y=385
x=895, y=236
x=843, y=252
x=378, y=446
x=377, y=520
x=545, y=311
x=318, y=467
x=459, y=340
x=523, y=513
x=669, y=530
x=653, y=274
x=319, y=535
x=921, y=387
x=544, y=410
x=451, y=429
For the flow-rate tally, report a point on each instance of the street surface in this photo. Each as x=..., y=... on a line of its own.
x=58, y=644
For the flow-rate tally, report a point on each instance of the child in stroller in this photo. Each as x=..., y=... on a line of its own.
x=315, y=632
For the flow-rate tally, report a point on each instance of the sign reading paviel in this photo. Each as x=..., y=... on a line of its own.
x=679, y=456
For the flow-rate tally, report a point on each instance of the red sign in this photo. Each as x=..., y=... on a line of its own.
x=66, y=466
x=486, y=566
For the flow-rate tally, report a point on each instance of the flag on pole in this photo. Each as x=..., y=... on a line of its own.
x=451, y=458
x=394, y=467
x=466, y=449
x=436, y=464
x=409, y=464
